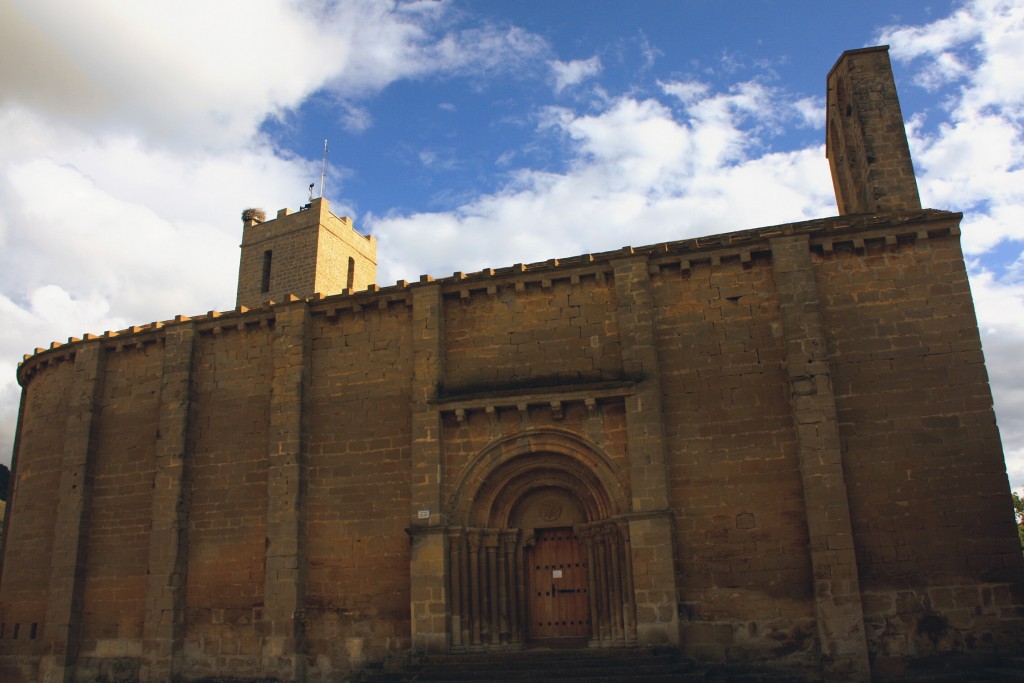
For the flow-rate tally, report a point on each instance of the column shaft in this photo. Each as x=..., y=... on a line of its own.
x=492, y=587
x=455, y=551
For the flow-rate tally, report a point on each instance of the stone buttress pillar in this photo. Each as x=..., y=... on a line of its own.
x=429, y=554
x=71, y=528
x=285, y=575
x=650, y=523
x=164, y=627
x=837, y=599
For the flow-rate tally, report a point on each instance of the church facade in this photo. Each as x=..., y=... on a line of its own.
x=772, y=447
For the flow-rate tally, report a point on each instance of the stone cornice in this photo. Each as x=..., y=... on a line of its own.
x=826, y=234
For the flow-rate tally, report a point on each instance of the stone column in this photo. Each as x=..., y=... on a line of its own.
x=458, y=610
x=164, y=626
x=473, y=540
x=285, y=573
x=428, y=555
x=465, y=596
x=510, y=541
x=837, y=597
x=525, y=540
x=491, y=590
x=615, y=598
x=604, y=630
x=653, y=558
x=503, y=620
x=70, y=532
x=628, y=606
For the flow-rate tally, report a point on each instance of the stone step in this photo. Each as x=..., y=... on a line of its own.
x=586, y=658
x=647, y=666
x=612, y=666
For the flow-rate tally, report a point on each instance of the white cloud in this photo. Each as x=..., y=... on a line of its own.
x=201, y=74
x=122, y=173
x=811, y=110
x=1000, y=308
x=574, y=72
x=640, y=174
x=687, y=92
x=99, y=234
x=191, y=72
x=129, y=142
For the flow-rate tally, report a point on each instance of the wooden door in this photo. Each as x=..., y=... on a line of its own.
x=558, y=586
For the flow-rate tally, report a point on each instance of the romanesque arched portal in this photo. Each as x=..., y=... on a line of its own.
x=538, y=549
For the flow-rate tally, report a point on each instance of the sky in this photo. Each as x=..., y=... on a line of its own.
x=470, y=134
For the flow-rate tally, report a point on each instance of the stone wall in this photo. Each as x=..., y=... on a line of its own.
x=809, y=402
x=226, y=490
x=357, y=596
x=917, y=427
x=741, y=530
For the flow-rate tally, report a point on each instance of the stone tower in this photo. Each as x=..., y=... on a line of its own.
x=303, y=253
x=866, y=143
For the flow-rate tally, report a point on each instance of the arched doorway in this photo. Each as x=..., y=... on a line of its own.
x=538, y=548
x=557, y=607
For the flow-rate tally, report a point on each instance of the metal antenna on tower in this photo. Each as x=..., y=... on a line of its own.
x=323, y=170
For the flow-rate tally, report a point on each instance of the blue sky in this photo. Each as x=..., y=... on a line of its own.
x=455, y=134
x=467, y=134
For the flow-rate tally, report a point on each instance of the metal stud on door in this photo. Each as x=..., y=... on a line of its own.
x=558, y=586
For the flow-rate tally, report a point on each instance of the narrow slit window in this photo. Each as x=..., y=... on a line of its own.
x=351, y=274
x=268, y=257
x=32, y=631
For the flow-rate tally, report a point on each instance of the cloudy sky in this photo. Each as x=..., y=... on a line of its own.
x=467, y=134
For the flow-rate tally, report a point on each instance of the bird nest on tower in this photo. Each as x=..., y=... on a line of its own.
x=257, y=215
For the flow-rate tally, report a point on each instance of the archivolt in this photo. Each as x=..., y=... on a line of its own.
x=511, y=467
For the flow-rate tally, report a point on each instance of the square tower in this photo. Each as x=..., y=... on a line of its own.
x=866, y=142
x=303, y=253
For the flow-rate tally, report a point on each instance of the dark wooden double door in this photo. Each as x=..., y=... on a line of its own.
x=558, y=599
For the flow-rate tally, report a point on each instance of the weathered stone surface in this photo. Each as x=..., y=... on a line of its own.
x=772, y=446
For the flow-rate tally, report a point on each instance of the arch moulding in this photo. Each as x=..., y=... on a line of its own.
x=508, y=468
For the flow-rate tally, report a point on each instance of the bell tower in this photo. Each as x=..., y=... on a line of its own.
x=302, y=253
x=866, y=142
